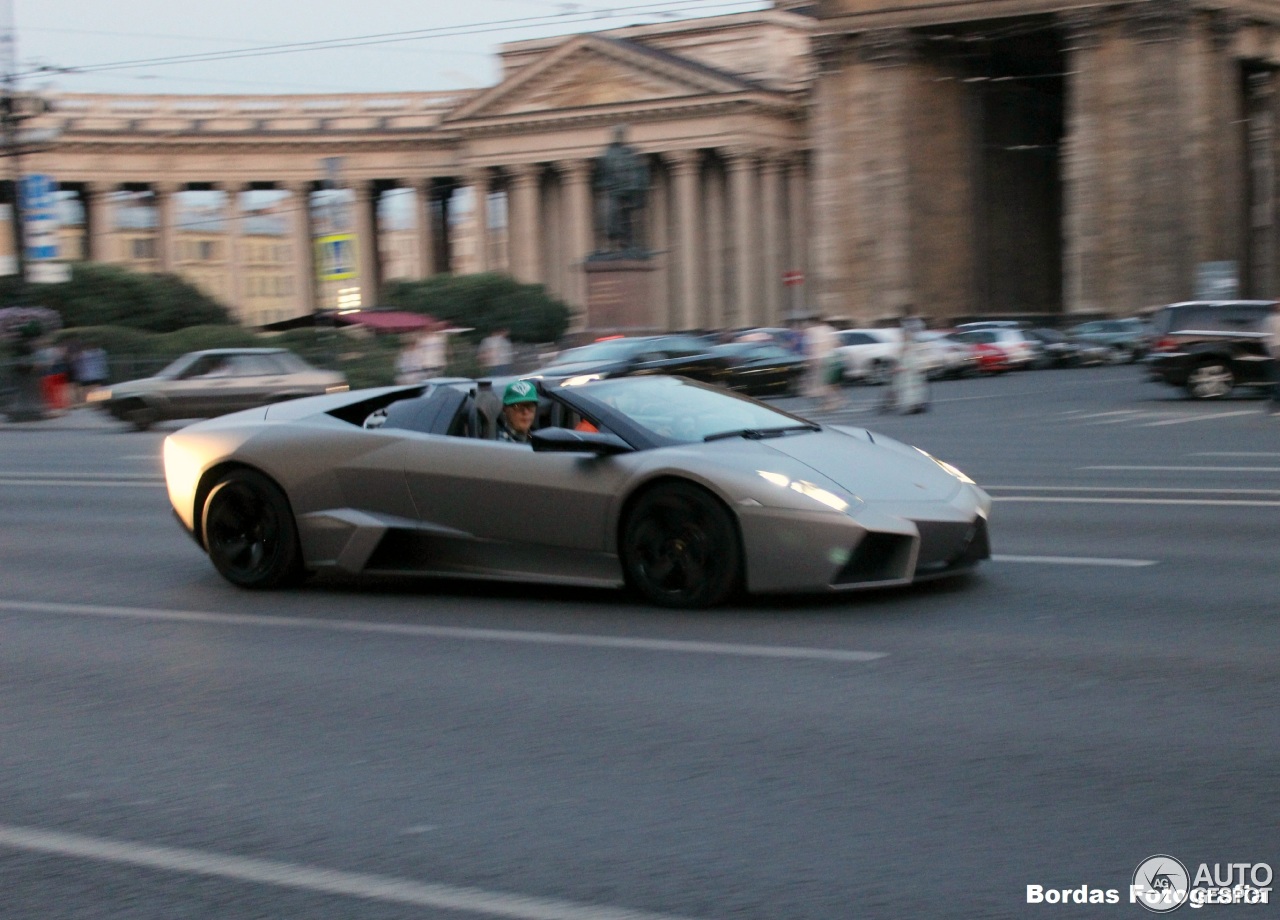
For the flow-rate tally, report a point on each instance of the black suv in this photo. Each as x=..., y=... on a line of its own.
x=1211, y=347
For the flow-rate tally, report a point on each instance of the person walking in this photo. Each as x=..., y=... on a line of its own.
x=821, y=363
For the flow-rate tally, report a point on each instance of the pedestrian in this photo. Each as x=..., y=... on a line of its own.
x=495, y=353
x=1273, y=346
x=91, y=368
x=822, y=363
x=909, y=388
x=53, y=358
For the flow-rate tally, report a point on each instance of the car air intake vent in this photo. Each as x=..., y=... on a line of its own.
x=879, y=557
x=948, y=545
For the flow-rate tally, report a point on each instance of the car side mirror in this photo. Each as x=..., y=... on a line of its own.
x=568, y=441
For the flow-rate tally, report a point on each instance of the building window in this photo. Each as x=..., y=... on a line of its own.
x=143, y=247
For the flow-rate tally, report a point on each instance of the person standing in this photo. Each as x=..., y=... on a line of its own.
x=495, y=353
x=910, y=385
x=820, y=359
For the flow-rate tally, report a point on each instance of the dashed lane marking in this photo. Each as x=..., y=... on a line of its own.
x=311, y=878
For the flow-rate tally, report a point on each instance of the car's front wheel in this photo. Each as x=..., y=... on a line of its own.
x=680, y=547
x=1210, y=380
x=249, y=532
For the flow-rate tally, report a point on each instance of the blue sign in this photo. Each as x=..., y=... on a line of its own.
x=40, y=216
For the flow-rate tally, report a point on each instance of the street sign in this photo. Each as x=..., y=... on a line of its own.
x=39, y=198
x=336, y=257
x=792, y=277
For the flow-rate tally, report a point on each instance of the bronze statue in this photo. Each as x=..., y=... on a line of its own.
x=622, y=178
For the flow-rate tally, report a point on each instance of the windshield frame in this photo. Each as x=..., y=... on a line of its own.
x=594, y=399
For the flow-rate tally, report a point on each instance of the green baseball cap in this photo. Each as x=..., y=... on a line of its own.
x=519, y=391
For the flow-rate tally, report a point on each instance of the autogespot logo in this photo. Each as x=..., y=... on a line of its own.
x=1160, y=884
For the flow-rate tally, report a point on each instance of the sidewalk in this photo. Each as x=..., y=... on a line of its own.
x=81, y=418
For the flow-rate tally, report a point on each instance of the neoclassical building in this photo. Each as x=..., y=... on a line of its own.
x=857, y=157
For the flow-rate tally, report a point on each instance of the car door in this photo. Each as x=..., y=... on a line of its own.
x=501, y=507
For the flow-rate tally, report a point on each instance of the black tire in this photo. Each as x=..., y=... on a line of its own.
x=139, y=415
x=250, y=533
x=680, y=547
x=1210, y=379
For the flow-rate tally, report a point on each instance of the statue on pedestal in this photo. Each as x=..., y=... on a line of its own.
x=622, y=178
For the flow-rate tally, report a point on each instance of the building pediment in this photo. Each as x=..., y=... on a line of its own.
x=590, y=71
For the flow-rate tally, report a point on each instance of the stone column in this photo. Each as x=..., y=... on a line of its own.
x=235, y=247
x=685, y=168
x=365, y=202
x=771, y=236
x=798, y=233
x=97, y=218
x=424, y=193
x=1084, y=192
x=577, y=231
x=162, y=197
x=1261, y=280
x=743, y=308
x=479, y=181
x=715, y=250
x=303, y=234
x=523, y=221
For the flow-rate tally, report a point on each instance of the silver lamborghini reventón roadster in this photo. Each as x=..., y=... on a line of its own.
x=683, y=491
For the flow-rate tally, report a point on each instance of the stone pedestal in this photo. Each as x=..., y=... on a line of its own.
x=620, y=297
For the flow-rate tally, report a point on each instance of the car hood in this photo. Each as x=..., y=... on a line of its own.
x=872, y=466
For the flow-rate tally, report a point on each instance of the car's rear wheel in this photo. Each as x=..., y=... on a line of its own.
x=139, y=415
x=1210, y=380
x=250, y=533
x=680, y=547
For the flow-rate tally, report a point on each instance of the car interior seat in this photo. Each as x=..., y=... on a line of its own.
x=487, y=406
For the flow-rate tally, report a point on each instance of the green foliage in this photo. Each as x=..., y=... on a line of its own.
x=197, y=338
x=99, y=294
x=484, y=302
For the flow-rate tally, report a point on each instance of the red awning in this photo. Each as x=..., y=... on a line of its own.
x=386, y=320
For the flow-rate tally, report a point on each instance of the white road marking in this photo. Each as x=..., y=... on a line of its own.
x=1200, y=418
x=1083, y=500
x=1077, y=560
x=450, y=632
x=106, y=477
x=1186, y=469
x=311, y=878
x=1237, y=453
x=90, y=483
x=1190, y=491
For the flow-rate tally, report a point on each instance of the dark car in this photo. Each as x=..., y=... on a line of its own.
x=1127, y=339
x=1057, y=349
x=1211, y=347
x=762, y=368
x=629, y=356
x=202, y=384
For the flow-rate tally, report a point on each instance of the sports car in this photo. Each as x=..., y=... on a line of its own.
x=685, y=492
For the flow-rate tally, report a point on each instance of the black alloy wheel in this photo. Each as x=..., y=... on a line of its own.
x=680, y=547
x=250, y=533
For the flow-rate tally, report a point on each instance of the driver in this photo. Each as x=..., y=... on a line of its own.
x=519, y=409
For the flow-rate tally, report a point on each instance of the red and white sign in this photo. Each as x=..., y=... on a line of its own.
x=792, y=277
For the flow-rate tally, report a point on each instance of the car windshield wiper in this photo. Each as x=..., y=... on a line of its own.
x=759, y=434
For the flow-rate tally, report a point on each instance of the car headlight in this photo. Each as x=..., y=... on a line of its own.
x=808, y=489
x=948, y=468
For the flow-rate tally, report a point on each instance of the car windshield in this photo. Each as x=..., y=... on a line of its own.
x=610, y=350
x=681, y=410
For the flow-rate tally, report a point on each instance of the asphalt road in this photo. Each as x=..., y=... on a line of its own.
x=1103, y=690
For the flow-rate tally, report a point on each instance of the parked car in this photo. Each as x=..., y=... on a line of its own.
x=1126, y=339
x=1020, y=350
x=1057, y=349
x=871, y=355
x=762, y=368
x=213, y=382
x=630, y=356
x=946, y=356
x=687, y=493
x=1211, y=347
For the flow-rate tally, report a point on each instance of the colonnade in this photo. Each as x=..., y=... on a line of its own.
x=723, y=226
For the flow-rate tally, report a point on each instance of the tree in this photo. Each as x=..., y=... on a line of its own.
x=101, y=295
x=485, y=302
